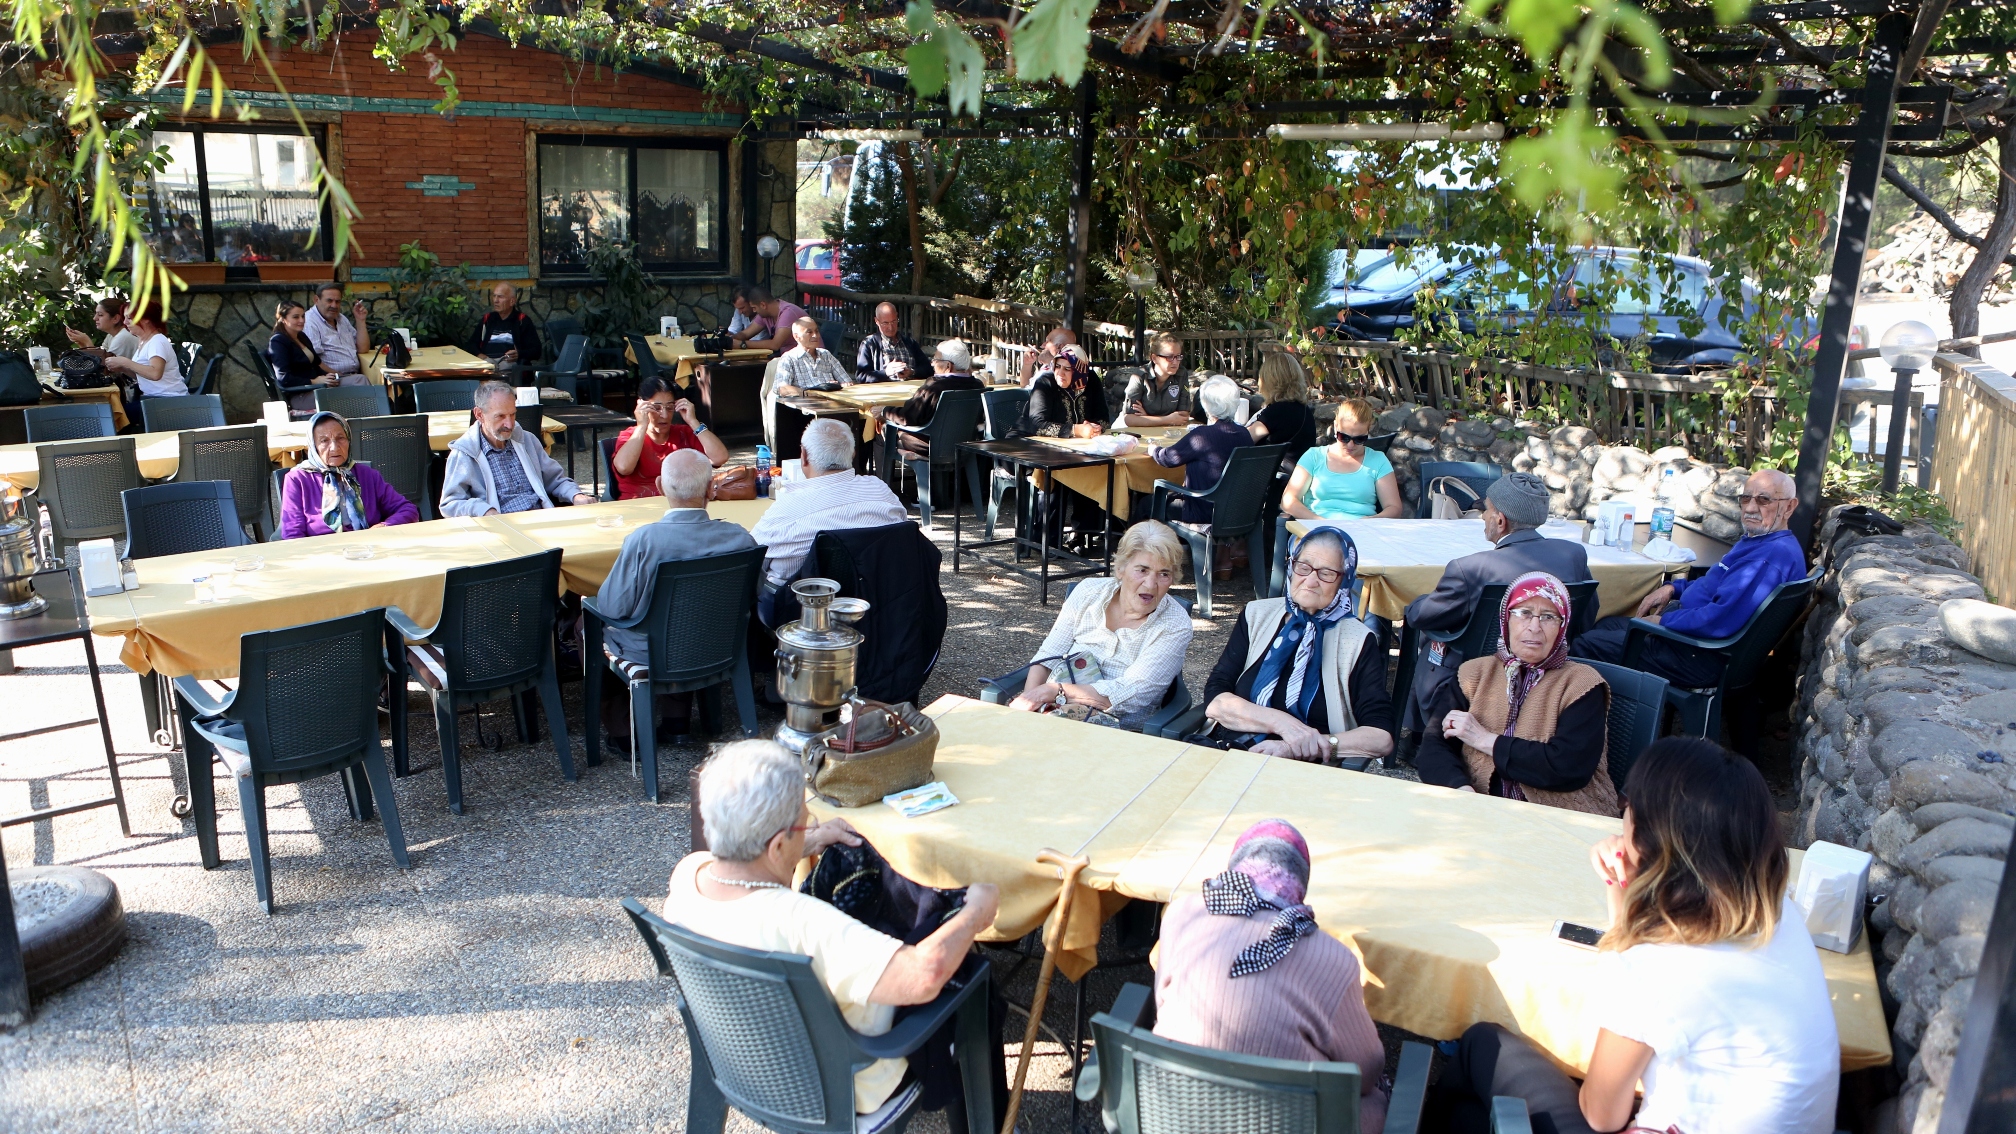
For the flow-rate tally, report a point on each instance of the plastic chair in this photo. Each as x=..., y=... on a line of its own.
x=207, y=383
x=398, y=449
x=698, y=627
x=263, y=367
x=444, y=395
x=494, y=639
x=80, y=485
x=1149, y=1085
x=610, y=490
x=1700, y=710
x=1476, y=474
x=767, y=1039
x=353, y=401
x=1238, y=503
x=77, y=421
x=566, y=371
x=236, y=453
x=833, y=336
x=1637, y=702
x=955, y=422
x=999, y=410
x=191, y=411
x=558, y=330
x=306, y=706
x=178, y=518
x=647, y=363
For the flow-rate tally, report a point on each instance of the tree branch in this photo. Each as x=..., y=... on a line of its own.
x=1946, y=150
x=1933, y=210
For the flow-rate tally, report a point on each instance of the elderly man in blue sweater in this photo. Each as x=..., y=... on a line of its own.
x=1719, y=603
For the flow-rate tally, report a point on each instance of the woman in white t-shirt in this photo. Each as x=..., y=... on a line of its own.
x=109, y=316
x=1710, y=990
x=154, y=364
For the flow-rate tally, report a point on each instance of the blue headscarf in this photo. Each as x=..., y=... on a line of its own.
x=1299, y=641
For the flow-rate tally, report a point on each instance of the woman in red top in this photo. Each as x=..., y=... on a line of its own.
x=666, y=424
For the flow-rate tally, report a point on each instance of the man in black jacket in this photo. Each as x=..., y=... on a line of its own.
x=890, y=354
x=506, y=333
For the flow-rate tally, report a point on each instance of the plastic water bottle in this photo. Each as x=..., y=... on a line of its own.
x=762, y=472
x=1662, y=515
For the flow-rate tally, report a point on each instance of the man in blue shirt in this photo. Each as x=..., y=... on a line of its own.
x=1718, y=604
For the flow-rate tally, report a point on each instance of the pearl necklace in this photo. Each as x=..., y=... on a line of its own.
x=745, y=884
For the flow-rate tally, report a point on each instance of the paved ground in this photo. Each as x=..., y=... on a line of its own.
x=496, y=985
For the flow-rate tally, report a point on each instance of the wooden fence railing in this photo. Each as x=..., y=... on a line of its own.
x=1973, y=463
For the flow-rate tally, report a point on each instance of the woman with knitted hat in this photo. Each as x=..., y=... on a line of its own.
x=1242, y=968
x=1525, y=722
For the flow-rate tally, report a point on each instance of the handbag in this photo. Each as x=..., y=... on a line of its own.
x=398, y=356
x=18, y=386
x=875, y=750
x=713, y=344
x=1449, y=498
x=734, y=482
x=81, y=370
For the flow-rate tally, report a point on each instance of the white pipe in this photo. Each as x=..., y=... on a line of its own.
x=1383, y=132
x=869, y=135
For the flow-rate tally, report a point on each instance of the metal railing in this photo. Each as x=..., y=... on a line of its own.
x=1971, y=462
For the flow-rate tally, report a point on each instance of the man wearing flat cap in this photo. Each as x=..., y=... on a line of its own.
x=1514, y=508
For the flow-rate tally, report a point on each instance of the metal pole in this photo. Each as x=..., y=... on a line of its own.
x=1900, y=411
x=1141, y=327
x=1851, y=243
x=1079, y=233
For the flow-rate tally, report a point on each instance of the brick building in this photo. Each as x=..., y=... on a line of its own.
x=541, y=159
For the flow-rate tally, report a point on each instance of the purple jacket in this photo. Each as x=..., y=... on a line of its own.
x=301, y=502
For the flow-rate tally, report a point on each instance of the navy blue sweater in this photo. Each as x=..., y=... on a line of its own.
x=1718, y=604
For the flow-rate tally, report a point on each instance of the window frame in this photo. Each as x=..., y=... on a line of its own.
x=633, y=143
x=318, y=136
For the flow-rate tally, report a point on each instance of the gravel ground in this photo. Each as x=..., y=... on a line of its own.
x=496, y=985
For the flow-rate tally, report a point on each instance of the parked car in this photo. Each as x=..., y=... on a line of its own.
x=1378, y=299
x=818, y=261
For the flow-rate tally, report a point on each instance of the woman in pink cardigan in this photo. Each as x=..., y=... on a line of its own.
x=1243, y=968
x=326, y=493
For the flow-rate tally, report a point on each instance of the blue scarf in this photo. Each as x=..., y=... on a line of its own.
x=1299, y=641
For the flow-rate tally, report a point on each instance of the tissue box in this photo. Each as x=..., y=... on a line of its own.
x=1833, y=883
x=98, y=564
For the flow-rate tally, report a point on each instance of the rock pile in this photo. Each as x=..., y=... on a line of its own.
x=1922, y=258
x=1908, y=751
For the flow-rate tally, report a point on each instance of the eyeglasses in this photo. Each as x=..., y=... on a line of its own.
x=1170, y=357
x=1543, y=617
x=1327, y=575
x=1354, y=438
x=1745, y=499
x=658, y=407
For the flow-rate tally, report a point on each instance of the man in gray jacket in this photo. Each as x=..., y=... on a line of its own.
x=1514, y=507
x=498, y=467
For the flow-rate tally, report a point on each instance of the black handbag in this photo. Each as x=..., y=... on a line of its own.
x=713, y=344
x=398, y=356
x=858, y=882
x=18, y=386
x=81, y=370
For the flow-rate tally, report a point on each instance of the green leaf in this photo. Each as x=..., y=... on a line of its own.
x=920, y=17
x=1052, y=39
x=968, y=68
x=926, y=64
x=1541, y=24
x=1729, y=11
x=1633, y=24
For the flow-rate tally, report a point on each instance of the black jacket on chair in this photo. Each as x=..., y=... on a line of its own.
x=894, y=567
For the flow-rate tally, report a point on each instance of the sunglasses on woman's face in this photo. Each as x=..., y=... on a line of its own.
x=1354, y=439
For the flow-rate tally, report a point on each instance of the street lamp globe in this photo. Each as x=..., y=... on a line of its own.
x=1909, y=345
x=768, y=246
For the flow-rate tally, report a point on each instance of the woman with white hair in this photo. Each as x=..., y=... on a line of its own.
x=752, y=807
x=952, y=369
x=1119, y=641
x=1203, y=451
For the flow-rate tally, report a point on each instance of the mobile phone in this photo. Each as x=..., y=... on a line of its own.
x=1581, y=936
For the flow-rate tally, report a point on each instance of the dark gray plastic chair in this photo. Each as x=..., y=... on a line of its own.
x=206, y=383
x=176, y=519
x=955, y=422
x=443, y=395
x=191, y=411
x=1700, y=710
x=767, y=1039
x=494, y=639
x=698, y=625
x=353, y=401
x=647, y=362
x=1637, y=702
x=270, y=380
x=1149, y=1085
x=306, y=706
x=1478, y=475
x=1238, y=505
x=565, y=373
x=607, y=448
x=77, y=421
x=236, y=453
x=80, y=485
x=398, y=449
x=999, y=411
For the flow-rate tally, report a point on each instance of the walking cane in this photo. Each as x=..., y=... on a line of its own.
x=1053, y=939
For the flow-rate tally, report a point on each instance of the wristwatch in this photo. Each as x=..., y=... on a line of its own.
x=1061, y=699
x=1333, y=749
x=699, y=429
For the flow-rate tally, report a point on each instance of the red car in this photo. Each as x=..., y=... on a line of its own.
x=818, y=262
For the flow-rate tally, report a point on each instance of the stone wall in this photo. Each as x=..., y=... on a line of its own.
x=1581, y=472
x=1905, y=742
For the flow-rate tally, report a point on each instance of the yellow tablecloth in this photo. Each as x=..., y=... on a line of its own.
x=306, y=580
x=107, y=394
x=1401, y=560
x=866, y=395
x=1449, y=898
x=431, y=362
x=680, y=354
x=1134, y=473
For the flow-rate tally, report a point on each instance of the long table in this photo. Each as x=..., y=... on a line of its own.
x=681, y=355
x=307, y=580
x=1401, y=560
x=1135, y=472
x=430, y=362
x=110, y=395
x=1448, y=898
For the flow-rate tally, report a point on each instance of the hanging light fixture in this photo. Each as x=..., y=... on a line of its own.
x=869, y=135
x=1383, y=132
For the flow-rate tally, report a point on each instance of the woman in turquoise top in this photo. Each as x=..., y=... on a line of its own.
x=1344, y=480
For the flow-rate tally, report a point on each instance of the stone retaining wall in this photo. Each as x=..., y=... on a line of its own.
x=1905, y=742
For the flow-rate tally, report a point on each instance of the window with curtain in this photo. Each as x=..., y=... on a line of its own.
x=666, y=196
x=236, y=196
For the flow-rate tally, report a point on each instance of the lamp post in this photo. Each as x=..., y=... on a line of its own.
x=1141, y=285
x=1907, y=348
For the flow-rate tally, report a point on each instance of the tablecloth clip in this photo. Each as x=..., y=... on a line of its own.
x=1053, y=940
x=1222, y=820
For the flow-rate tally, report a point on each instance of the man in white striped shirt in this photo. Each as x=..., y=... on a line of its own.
x=832, y=497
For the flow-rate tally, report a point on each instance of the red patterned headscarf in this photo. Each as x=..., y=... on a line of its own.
x=1520, y=676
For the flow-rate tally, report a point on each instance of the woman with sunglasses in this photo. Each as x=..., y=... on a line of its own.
x=1344, y=480
x=1525, y=722
x=1300, y=677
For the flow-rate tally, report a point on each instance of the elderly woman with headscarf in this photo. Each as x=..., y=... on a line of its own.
x=1064, y=401
x=326, y=493
x=1300, y=676
x=1243, y=969
x=1525, y=723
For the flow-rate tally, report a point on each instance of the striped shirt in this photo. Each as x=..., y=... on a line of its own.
x=514, y=490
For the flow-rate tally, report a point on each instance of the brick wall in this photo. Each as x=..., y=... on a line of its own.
x=384, y=153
